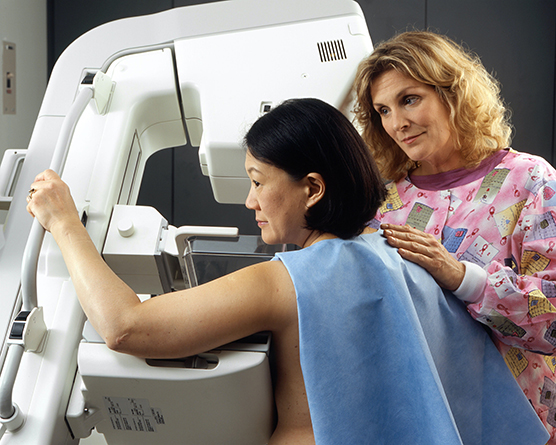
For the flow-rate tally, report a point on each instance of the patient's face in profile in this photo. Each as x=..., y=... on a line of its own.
x=278, y=201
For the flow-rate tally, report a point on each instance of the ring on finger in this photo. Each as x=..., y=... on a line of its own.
x=30, y=195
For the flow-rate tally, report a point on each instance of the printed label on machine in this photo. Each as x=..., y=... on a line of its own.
x=130, y=414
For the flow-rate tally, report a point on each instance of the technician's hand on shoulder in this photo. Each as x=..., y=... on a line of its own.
x=50, y=201
x=426, y=251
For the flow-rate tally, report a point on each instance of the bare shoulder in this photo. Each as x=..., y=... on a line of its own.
x=269, y=286
x=253, y=299
x=268, y=272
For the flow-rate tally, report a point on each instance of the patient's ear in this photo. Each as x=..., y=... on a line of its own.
x=316, y=188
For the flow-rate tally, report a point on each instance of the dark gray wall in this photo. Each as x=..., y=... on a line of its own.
x=516, y=40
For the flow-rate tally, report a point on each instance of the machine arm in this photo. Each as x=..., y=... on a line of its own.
x=205, y=71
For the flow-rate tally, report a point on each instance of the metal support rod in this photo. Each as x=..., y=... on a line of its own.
x=29, y=269
x=7, y=379
x=11, y=418
x=136, y=50
x=36, y=236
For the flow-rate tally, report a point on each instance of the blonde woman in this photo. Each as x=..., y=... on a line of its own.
x=479, y=216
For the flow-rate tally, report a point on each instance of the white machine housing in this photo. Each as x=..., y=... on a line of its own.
x=202, y=73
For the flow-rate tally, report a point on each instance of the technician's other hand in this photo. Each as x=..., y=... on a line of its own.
x=50, y=201
x=423, y=249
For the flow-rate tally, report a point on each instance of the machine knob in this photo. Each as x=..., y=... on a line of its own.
x=125, y=227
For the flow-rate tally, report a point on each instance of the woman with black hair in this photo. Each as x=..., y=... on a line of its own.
x=361, y=337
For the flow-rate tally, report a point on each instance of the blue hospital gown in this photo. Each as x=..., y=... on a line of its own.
x=389, y=358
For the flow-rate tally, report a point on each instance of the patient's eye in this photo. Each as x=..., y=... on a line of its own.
x=256, y=183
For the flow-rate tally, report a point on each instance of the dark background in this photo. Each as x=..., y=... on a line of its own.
x=515, y=39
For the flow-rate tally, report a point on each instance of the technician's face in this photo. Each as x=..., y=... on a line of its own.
x=278, y=201
x=416, y=119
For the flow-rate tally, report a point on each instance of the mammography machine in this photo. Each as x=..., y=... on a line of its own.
x=118, y=94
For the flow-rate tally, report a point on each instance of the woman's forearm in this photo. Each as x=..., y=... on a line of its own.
x=105, y=298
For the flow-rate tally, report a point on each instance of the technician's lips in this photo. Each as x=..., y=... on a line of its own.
x=410, y=139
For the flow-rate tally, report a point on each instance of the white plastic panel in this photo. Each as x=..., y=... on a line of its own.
x=244, y=70
x=231, y=403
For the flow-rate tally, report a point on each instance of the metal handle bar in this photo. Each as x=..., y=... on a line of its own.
x=10, y=416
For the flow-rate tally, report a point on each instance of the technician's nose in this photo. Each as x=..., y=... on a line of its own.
x=399, y=121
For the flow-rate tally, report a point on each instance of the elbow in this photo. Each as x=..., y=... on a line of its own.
x=125, y=338
x=117, y=341
x=117, y=335
x=120, y=334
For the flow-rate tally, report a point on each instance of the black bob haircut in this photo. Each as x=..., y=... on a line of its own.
x=301, y=136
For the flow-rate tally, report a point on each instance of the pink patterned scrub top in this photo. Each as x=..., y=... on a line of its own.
x=500, y=216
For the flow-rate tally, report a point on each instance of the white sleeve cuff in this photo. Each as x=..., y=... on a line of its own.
x=473, y=285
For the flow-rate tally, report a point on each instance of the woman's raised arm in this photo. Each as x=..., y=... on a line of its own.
x=261, y=297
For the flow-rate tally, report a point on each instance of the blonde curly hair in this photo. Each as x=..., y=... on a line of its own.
x=479, y=119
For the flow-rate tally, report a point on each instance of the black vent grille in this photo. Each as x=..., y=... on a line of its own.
x=332, y=50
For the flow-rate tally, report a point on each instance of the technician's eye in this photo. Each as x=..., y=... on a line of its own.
x=410, y=100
